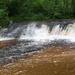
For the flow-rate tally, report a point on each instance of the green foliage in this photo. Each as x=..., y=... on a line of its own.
x=19, y=10
x=3, y=17
x=57, y=15
x=39, y=16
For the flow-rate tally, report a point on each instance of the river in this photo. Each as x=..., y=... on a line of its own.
x=34, y=37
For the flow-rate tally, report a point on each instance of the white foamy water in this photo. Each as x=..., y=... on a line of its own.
x=43, y=33
x=35, y=38
x=5, y=38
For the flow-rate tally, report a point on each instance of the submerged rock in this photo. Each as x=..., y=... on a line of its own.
x=7, y=43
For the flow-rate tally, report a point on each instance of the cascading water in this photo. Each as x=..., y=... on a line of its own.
x=34, y=36
x=32, y=32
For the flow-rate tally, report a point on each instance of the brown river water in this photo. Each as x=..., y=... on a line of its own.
x=42, y=48
x=54, y=60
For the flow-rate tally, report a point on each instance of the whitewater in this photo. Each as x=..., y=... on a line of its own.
x=43, y=33
x=33, y=37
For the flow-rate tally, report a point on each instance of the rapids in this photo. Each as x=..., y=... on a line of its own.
x=43, y=33
x=34, y=36
x=39, y=31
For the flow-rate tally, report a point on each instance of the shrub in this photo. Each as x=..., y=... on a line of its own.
x=3, y=17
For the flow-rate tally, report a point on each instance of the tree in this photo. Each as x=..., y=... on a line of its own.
x=73, y=8
x=3, y=17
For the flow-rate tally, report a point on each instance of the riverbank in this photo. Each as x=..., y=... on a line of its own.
x=54, y=60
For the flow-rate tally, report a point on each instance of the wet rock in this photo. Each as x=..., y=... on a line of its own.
x=7, y=43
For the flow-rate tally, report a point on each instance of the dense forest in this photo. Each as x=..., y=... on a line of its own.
x=19, y=10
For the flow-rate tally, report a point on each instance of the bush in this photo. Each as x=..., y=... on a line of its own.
x=3, y=17
x=57, y=15
x=38, y=16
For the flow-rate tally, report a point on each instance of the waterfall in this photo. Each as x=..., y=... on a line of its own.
x=32, y=32
x=40, y=32
x=33, y=37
